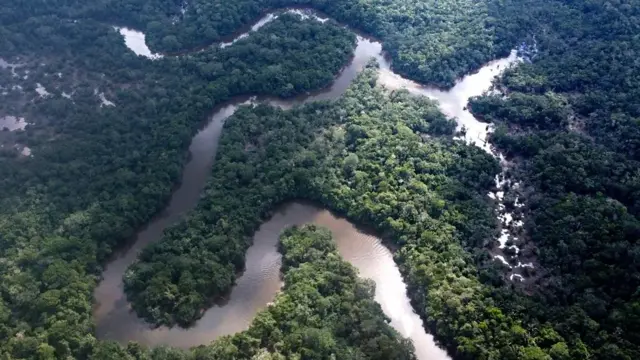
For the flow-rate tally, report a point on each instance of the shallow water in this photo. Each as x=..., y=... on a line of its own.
x=12, y=123
x=255, y=27
x=453, y=102
x=136, y=42
x=260, y=282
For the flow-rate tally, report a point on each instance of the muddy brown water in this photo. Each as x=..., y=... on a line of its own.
x=260, y=282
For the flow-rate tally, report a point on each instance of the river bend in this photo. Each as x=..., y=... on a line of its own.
x=260, y=282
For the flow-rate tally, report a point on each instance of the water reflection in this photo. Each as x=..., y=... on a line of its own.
x=255, y=27
x=136, y=41
x=12, y=123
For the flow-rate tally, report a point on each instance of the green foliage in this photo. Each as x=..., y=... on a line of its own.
x=251, y=175
x=547, y=112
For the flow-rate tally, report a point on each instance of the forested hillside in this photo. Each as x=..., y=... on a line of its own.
x=107, y=134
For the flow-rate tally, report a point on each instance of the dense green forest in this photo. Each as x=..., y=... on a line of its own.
x=567, y=121
x=570, y=123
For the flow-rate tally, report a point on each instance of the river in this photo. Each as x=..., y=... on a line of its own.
x=260, y=282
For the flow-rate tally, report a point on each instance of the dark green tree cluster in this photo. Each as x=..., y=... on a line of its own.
x=538, y=111
x=570, y=122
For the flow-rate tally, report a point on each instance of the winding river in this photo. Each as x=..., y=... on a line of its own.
x=260, y=282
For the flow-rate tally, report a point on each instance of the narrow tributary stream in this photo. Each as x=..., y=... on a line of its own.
x=260, y=282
